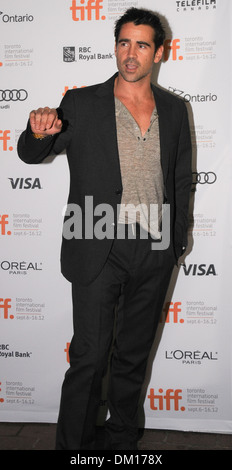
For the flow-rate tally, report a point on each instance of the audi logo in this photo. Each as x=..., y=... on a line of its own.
x=204, y=178
x=13, y=95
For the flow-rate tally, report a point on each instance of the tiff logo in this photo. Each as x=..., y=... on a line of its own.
x=172, y=46
x=66, y=350
x=1, y=399
x=171, y=313
x=5, y=305
x=3, y=223
x=85, y=10
x=66, y=88
x=4, y=136
x=163, y=401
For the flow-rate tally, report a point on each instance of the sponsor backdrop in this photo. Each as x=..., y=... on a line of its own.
x=46, y=49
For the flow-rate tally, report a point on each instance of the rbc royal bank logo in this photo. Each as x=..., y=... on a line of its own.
x=87, y=10
x=69, y=54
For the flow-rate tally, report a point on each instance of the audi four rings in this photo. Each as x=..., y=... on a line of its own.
x=204, y=178
x=13, y=95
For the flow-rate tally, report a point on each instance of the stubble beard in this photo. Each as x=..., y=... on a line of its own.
x=127, y=76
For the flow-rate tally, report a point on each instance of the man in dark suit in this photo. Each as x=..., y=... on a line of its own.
x=128, y=147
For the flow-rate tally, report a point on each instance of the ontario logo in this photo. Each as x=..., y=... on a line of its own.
x=16, y=18
x=87, y=10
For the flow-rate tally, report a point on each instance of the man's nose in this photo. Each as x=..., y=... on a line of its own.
x=132, y=50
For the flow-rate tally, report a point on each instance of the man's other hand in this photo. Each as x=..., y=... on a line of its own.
x=45, y=121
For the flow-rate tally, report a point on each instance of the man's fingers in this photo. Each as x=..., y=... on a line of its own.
x=32, y=118
x=43, y=119
x=48, y=118
x=58, y=124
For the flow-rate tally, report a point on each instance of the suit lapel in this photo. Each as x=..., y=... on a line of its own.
x=106, y=124
x=164, y=113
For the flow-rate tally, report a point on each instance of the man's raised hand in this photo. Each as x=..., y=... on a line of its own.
x=45, y=121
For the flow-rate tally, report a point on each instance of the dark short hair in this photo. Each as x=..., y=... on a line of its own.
x=142, y=16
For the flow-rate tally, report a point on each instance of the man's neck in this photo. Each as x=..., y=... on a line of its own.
x=139, y=91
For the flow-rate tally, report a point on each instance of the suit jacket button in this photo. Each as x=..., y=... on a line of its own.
x=118, y=192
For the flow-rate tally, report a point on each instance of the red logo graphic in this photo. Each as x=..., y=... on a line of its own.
x=66, y=88
x=67, y=352
x=165, y=401
x=173, y=46
x=1, y=399
x=3, y=223
x=4, y=136
x=171, y=312
x=84, y=11
x=5, y=305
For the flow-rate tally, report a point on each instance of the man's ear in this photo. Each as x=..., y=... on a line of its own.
x=158, y=54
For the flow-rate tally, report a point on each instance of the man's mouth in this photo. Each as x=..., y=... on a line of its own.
x=131, y=67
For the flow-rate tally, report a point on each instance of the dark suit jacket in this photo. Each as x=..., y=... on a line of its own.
x=89, y=137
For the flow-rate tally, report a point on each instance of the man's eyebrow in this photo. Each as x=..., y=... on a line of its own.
x=124, y=40
x=138, y=42
x=144, y=43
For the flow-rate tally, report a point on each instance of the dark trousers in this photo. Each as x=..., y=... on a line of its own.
x=135, y=278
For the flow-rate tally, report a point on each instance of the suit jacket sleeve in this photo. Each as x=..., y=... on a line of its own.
x=183, y=182
x=33, y=151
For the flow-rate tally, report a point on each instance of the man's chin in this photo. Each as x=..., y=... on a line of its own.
x=131, y=77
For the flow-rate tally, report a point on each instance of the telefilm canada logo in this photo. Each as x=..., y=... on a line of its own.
x=195, y=5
